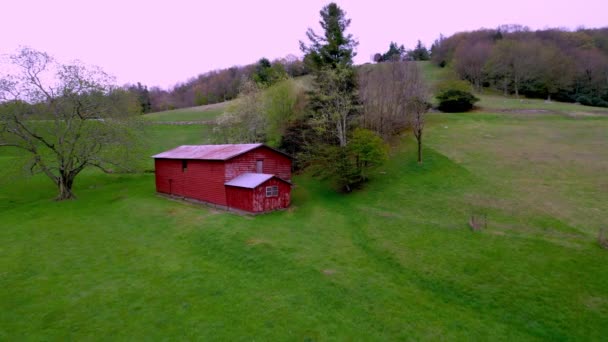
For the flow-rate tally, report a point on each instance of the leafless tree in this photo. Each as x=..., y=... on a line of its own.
x=393, y=96
x=67, y=117
x=511, y=62
x=470, y=59
x=384, y=91
x=418, y=106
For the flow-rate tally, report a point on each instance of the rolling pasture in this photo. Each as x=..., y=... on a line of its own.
x=200, y=114
x=393, y=261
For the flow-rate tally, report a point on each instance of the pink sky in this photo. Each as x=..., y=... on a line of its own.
x=165, y=42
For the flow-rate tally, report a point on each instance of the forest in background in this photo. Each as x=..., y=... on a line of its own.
x=569, y=66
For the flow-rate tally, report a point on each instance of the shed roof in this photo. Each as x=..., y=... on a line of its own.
x=251, y=180
x=210, y=152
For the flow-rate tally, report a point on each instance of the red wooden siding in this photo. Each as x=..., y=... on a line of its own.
x=203, y=179
x=239, y=198
x=255, y=200
x=274, y=164
x=263, y=203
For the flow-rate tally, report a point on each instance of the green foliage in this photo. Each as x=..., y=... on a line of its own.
x=455, y=100
x=419, y=53
x=368, y=149
x=280, y=102
x=333, y=104
x=267, y=74
x=200, y=99
x=335, y=163
x=394, y=53
x=332, y=99
x=551, y=63
x=143, y=97
x=348, y=166
x=334, y=47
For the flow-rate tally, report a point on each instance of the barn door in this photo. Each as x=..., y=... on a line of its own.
x=259, y=166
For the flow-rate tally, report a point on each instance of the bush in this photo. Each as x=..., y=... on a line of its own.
x=348, y=166
x=455, y=100
x=584, y=100
x=599, y=102
x=591, y=101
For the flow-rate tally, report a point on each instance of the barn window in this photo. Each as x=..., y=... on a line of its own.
x=184, y=165
x=272, y=191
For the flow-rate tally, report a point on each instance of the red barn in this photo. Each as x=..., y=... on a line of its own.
x=249, y=177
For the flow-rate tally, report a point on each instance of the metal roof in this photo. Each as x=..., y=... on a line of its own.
x=249, y=180
x=207, y=152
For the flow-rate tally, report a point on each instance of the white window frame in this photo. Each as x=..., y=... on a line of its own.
x=272, y=191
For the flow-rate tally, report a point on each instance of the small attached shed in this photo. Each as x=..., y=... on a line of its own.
x=258, y=192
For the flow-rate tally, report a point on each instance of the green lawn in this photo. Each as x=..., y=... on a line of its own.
x=394, y=261
x=201, y=113
x=536, y=106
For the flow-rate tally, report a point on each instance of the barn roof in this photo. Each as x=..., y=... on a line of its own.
x=251, y=180
x=210, y=152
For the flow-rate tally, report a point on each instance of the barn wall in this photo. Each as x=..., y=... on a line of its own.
x=203, y=180
x=274, y=164
x=263, y=203
x=239, y=198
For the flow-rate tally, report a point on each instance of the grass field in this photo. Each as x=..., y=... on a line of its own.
x=200, y=113
x=394, y=261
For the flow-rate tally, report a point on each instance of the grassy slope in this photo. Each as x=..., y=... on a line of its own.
x=200, y=113
x=394, y=261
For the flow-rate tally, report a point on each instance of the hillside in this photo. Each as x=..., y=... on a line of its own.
x=393, y=261
x=199, y=114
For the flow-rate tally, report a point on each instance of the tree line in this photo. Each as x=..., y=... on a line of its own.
x=569, y=66
x=215, y=86
x=399, y=53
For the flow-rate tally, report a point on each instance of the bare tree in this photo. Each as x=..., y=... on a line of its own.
x=384, y=91
x=470, y=59
x=418, y=107
x=67, y=117
x=511, y=61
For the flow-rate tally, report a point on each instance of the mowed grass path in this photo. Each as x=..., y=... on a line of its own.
x=394, y=261
x=196, y=114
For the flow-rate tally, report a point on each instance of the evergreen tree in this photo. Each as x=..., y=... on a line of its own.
x=333, y=100
x=394, y=53
x=420, y=53
x=334, y=47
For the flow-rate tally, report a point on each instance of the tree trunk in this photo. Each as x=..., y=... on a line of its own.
x=64, y=183
x=419, y=139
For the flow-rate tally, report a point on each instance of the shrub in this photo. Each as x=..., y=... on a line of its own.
x=584, y=100
x=456, y=100
x=599, y=102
